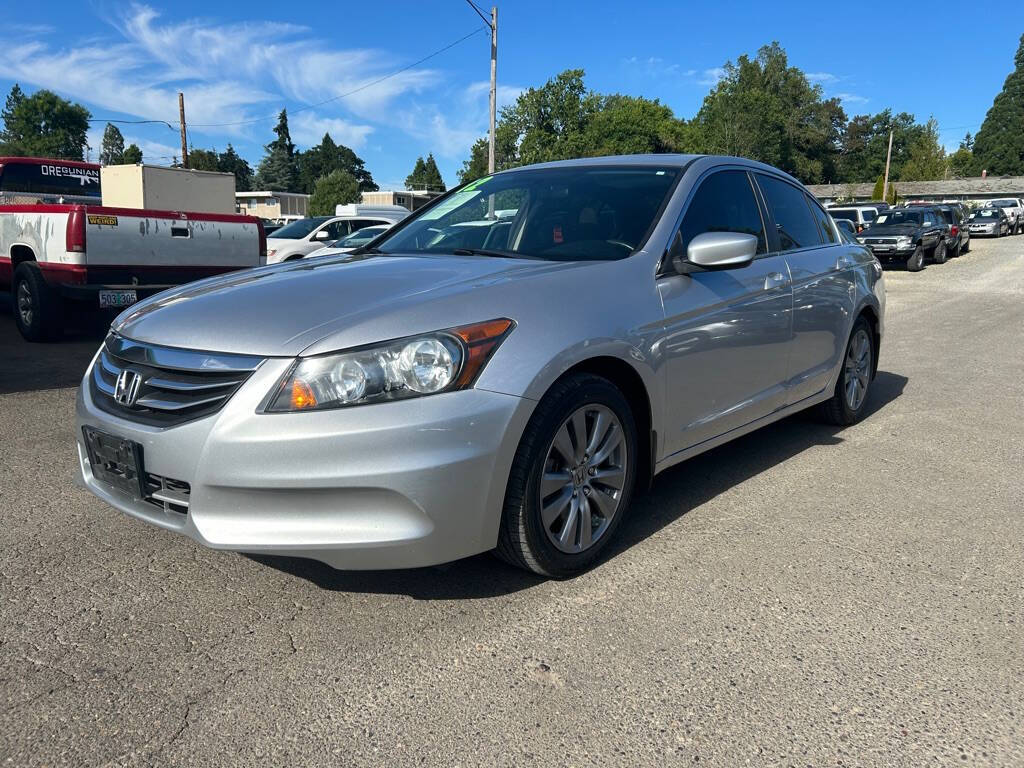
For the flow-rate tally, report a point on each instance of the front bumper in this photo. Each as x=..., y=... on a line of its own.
x=393, y=485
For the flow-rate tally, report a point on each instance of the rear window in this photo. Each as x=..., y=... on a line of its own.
x=843, y=213
x=50, y=179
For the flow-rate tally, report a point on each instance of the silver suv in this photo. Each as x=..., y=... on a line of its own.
x=502, y=370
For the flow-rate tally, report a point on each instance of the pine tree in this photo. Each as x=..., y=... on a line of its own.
x=999, y=144
x=8, y=138
x=432, y=175
x=327, y=156
x=415, y=179
x=230, y=161
x=337, y=188
x=278, y=170
x=112, y=148
x=132, y=155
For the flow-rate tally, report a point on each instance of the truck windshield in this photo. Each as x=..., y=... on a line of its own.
x=559, y=214
x=299, y=229
x=899, y=217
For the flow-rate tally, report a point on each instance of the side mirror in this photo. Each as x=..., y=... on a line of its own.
x=714, y=250
x=322, y=234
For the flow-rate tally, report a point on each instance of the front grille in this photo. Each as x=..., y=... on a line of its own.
x=880, y=241
x=175, y=385
x=168, y=494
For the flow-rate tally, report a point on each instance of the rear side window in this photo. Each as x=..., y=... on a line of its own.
x=828, y=234
x=724, y=202
x=844, y=213
x=869, y=214
x=796, y=226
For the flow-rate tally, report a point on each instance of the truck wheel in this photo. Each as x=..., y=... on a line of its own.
x=916, y=261
x=38, y=311
x=939, y=254
x=954, y=252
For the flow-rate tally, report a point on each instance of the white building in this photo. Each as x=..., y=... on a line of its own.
x=272, y=205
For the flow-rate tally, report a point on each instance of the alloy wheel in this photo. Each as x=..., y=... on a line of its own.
x=25, y=307
x=858, y=369
x=584, y=474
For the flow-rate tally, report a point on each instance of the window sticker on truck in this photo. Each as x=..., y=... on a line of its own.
x=110, y=221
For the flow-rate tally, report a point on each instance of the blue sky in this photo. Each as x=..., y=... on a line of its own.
x=244, y=61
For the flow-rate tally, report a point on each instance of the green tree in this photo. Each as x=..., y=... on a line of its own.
x=278, y=171
x=45, y=125
x=999, y=145
x=625, y=125
x=926, y=159
x=876, y=193
x=328, y=156
x=8, y=141
x=132, y=155
x=203, y=159
x=230, y=161
x=336, y=188
x=767, y=110
x=476, y=166
x=112, y=147
x=425, y=175
x=865, y=142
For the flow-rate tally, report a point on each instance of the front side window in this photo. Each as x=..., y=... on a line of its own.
x=300, y=229
x=796, y=226
x=724, y=202
x=576, y=213
x=869, y=214
x=828, y=234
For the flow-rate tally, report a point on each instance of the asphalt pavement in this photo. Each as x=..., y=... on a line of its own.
x=803, y=596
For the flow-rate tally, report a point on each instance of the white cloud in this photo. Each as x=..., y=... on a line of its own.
x=712, y=76
x=850, y=98
x=821, y=77
x=308, y=128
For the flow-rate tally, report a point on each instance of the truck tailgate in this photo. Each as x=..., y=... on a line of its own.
x=124, y=237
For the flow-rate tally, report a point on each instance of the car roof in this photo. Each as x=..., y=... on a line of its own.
x=667, y=160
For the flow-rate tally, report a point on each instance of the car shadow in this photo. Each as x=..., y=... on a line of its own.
x=674, y=494
x=26, y=366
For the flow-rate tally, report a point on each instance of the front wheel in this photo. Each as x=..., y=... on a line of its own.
x=572, y=478
x=916, y=261
x=939, y=254
x=848, y=403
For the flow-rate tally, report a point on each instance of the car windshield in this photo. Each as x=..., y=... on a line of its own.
x=843, y=213
x=558, y=214
x=1003, y=203
x=986, y=214
x=898, y=217
x=299, y=229
x=359, y=237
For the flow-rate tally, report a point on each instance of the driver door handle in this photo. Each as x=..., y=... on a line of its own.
x=775, y=280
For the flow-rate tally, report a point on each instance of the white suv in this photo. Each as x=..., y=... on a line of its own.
x=862, y=216
x=304, y=236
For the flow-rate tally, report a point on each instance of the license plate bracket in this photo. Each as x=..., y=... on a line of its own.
x=116, y=461
x=118, y=299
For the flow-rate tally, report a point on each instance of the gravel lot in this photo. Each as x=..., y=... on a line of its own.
x=803, y=596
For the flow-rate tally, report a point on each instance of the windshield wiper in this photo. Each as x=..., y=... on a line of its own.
x=493, y=254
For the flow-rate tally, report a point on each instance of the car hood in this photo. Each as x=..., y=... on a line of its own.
x=285, y=309
x=891, y=230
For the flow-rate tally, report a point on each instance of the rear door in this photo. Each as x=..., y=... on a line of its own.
x=821, y=267
x=727, y=331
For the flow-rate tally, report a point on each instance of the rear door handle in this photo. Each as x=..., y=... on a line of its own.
x=775, y=280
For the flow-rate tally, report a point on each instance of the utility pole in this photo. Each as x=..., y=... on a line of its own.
x=888, y=157
x=492, y=24
x=494, y=86
x=181, y=117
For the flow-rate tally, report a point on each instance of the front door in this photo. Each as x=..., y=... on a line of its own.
x=728, y=332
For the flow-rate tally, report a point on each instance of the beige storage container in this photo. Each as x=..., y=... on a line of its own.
x=167, y=189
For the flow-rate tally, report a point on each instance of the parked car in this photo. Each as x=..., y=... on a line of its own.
x=430, y=401
x=990, y=222
x=1014, y=210
x=847, y=226
x=56, y=257
x=958, y=237
x=351, y=241
x=270, y=226
x=907, y=235
x=862, y=216
x=307, y=235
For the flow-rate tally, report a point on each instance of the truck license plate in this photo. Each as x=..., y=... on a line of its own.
x=117, y=298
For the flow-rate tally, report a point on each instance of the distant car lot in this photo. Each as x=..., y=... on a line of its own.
x=766, y=603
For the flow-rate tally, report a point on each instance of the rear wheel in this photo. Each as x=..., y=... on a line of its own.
x=916, y=261
x=939, y=254
x=38, y=310
x=954, y=252
x=848, y=403
x=966, y=247
x=571, y=480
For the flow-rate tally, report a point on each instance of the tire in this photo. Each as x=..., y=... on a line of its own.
x=916, y=261
x=965, y=248
x=38, y=311
x=524, y=539
x=842, y=409
x=939, y=254
x=954, y=252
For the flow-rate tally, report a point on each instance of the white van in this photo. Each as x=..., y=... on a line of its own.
x=304, y=236
x=862, y=216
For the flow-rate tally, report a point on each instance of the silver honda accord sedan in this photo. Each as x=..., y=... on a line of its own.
x=503, y=370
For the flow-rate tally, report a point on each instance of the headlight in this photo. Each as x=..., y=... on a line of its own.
x=904, y=242
x=394, y=370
